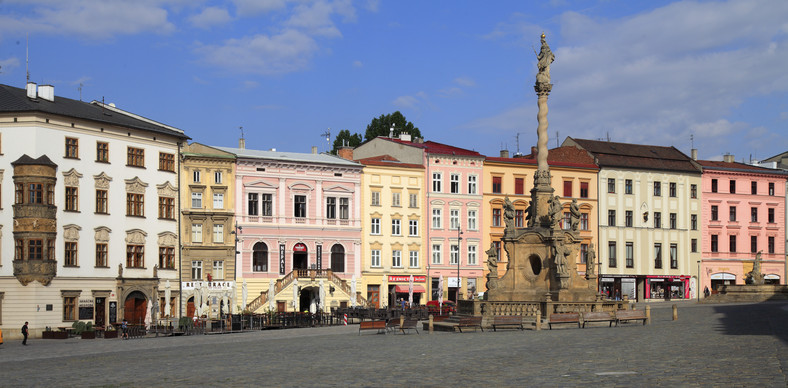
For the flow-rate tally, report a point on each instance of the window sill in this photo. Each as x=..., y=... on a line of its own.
x=134, y=216
x=70, y=266
x=71, y=157
x=166, y=219
x=70, y=211
x=103, y=161
x=101, y=213
x=164, y=170
x=131, y=165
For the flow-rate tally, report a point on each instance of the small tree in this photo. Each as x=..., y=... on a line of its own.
x=381, y=126
x=344, y=138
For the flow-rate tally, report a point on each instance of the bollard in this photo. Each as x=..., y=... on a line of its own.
x=675, y=313
x=431, y=327
x=538, y=319
x=648, y=315
x=401, y=320
x=345, y=320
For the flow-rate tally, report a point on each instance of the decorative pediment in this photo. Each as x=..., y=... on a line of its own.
x=135, y=236
x=135, y=186
x=166, y=189
x=300, y=186
x=71, y=177
x=338, y=189
x=102, y=181
x=261, y=184
x=71, y=232
x=437, y=202
x=102, y=234
x=455, y=203
x=473, y=204
x=167, y=239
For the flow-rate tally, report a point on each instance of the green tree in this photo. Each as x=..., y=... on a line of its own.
x=380, y=126
x=344, y=138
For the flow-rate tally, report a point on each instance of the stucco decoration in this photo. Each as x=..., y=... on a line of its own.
x=135, y=236
x=167, y=239
x=301, y=186
x=71, y=232
x=337, y=189
x=261, y=184
x=135, y=186
x=102, y=234
x=102, y=181
x=166, y=189
x=71, y=177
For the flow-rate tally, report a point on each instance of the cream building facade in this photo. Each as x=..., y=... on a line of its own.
x=649, y=207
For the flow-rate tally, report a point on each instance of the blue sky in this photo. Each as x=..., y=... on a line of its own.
x=651, y=72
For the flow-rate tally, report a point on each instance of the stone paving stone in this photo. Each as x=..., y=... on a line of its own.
x=710, y=345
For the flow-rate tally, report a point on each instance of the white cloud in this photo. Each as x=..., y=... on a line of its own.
x=464, y=81
x=209, y=17
x=254, y=7
x=262, y=54
x=358, y=64
x=91, y=19
x=659, y=76
x=411, y=102
x=8, y=64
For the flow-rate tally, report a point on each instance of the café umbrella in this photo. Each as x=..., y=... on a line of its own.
x=271, y=295
x=440, y=295
x=353, y=291
x=167, y=294
x=244, y=294
x=295, y=295
x=384, y=292
x=147, y=313
x=322, y=295
x=410, y=291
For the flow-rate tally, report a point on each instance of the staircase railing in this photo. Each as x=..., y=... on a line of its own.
x=311, y=274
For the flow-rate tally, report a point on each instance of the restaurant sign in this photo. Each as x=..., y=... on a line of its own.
x=406, y=278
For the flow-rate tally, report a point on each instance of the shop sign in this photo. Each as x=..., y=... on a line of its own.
x=656, y=280
x=319, y=256
x=281, y=259
x=113, y=311
x=609, y=280
x=406, y=279
x=453, y=282
x=300, y=247
x=86, y=302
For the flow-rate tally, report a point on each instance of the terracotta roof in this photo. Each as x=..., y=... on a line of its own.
x=42, y=160
x=736, y=166
x=637, y=156
x=437, y=148
x=387, y=161
x=568, y=156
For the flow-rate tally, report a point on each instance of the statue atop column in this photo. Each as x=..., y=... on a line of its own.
x=545, y=58
x=542, y=87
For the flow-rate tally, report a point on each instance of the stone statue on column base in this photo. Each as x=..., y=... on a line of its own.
x=591, y=262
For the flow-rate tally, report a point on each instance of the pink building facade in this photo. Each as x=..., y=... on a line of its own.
x=298, y=222
x=743, y=214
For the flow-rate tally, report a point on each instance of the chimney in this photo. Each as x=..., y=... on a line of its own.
x=504, y=153
x=404, y=136
x=31, y=90
x=47, y=92
x=345, y=153
x=418, y=140
x=242, y=143
x=314, y=150
x=391, y=132
x=694, y=154
x=728, y=158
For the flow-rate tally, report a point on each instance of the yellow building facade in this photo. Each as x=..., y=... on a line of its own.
x=574, y=176
x=207, y=230
x=392, y=237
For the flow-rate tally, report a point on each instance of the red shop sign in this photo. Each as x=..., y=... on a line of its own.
x=406, y=278
x=299, y=248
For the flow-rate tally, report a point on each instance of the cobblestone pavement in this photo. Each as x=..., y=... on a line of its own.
x=709, y=345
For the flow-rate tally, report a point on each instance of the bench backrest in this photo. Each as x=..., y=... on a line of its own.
x=471, y=321
x=372, y=325
x=564, y=317
x=409, y=324
x=633, y=314
x=598, y=315
x=502, y=319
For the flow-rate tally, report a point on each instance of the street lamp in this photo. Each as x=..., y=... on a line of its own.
x=697, y=289
x=459, y=249
x=236, y=231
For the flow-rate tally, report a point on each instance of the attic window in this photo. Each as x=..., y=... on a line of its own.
x=72, y=125
x=337, y=174
x=14, y=119
x=260, y=168
x=437, y=161
x=47, y=121
x=455, y=162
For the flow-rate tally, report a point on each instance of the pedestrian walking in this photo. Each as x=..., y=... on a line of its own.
x=124, y=330
x=24, y=333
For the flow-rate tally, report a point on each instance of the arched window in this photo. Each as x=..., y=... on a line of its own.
x=260, y=257
x=337, y=258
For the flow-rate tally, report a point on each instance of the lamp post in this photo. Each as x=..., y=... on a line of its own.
x=697, y=289
x=236, y=231
x=459, y=249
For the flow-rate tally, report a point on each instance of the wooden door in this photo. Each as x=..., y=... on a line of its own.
x=373, y=296
x=100, y=319
x=190, y=307
x=134, y=309
x=280, y=307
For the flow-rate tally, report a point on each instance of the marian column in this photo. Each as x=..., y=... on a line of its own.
x=542, y=192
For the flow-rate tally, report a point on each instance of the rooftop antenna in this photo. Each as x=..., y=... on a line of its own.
x=556, y=138
x=27, y=56
x=327, y=134
x=692, y=141
x=80, y=91
x=242, y=131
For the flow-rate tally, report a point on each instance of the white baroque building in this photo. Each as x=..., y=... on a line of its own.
x=88, y=212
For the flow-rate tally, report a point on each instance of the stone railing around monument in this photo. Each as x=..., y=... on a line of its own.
x=529, y=310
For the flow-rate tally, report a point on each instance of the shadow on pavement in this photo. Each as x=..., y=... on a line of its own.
x=766, y=318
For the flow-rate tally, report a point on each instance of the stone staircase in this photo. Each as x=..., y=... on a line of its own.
x=310, y=274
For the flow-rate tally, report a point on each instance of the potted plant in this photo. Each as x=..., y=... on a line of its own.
x=89, y=332
x=111, y=332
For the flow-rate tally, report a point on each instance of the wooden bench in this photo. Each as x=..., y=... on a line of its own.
x=475, y=322
x=392, y=324
x=409, y=324
x=630, y=315
x=380, y=326
x=514, y=321
x=599, y=317
x=564, y=318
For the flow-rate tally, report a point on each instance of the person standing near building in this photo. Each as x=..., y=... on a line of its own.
x=24, y=333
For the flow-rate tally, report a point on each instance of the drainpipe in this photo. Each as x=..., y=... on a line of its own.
x=180, y=246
